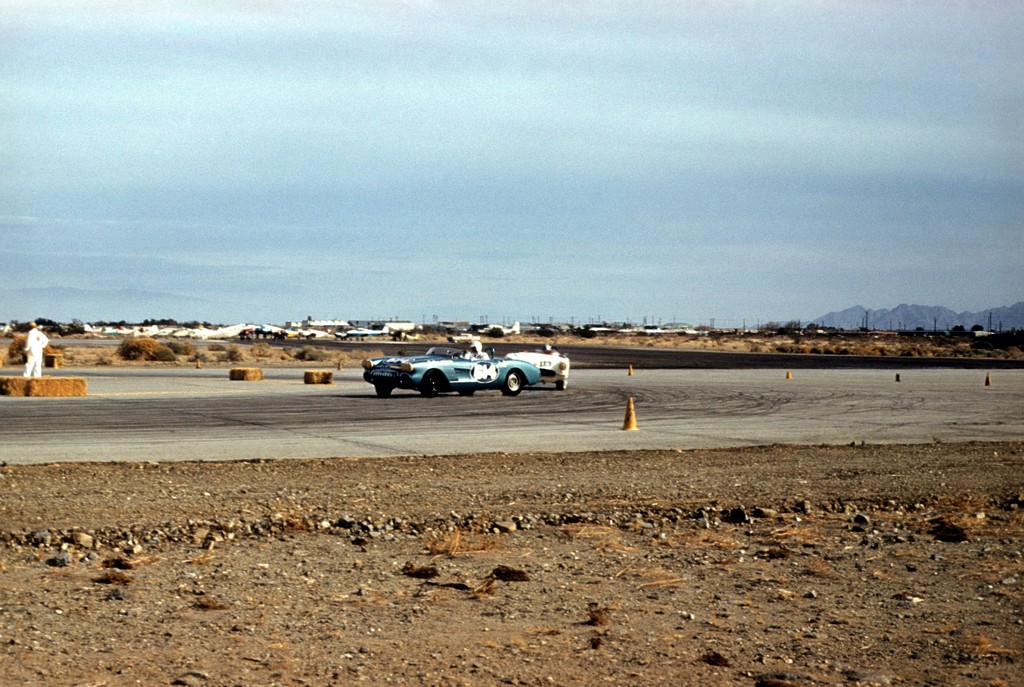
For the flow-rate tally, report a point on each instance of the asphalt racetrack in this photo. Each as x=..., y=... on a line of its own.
x=162, y=414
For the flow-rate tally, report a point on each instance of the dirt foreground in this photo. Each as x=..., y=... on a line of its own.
x=769, y=567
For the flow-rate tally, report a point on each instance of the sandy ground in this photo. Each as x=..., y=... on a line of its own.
x=770, y=567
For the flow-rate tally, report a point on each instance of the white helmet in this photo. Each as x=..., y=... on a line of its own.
x=476, y=347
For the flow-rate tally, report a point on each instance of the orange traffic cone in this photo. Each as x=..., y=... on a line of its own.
x=630, y=370
x=199, y=364
x=630, y=421
x=339, y=363
x=789, y=375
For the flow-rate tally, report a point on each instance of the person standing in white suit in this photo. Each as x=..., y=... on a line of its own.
x=34, y=346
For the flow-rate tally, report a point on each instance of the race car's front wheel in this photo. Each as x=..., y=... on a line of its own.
x=431, y=385
x=513, y=383
x=383, y=390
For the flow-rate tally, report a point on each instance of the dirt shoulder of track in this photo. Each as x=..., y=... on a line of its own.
x=773, y=566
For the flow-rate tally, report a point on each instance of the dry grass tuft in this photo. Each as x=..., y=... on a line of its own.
x=607, y=537
x=208, y=603
x=697, y=536
x=598, y=616
x=454, y=543
x=484, y=589
x=804, y=536
x=819, y=568
x=202, y=559
x=663, y=583
x=983, y=646
x=578, y=530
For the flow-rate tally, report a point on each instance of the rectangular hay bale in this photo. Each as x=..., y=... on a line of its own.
x=246, y=374
x=318, y=377
x=60, y=387
x=13, y=386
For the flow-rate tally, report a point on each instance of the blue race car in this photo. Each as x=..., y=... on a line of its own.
x=443, y=369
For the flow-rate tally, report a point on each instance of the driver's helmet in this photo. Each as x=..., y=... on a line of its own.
x=476, y=347
x=548, y=349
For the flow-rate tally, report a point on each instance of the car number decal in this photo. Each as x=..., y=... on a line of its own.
x=484, y=372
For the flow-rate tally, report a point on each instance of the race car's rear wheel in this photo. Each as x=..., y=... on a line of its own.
x=513, y=383
x=431, y=384
x=383, y=390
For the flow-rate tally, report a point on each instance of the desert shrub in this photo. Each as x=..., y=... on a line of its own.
x=495, y=333
x=165, y=354
x=145, y=348
x=310, y=353
x=261, y=350
x=216, y=348
x=234, y=353
x=181, y=348
x=586, y=333
x=16, y=349
x=138, y=348
x=545, y=332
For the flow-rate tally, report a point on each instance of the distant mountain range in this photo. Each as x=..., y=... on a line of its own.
x=927, y=317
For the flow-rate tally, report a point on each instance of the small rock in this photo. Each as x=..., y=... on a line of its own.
x=736, y=516
x=505, y=526
x=713, y=658
x=947, y=531
x=82, y=540
x=507, y=574
x=426, y=572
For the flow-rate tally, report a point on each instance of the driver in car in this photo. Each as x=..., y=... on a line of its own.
x=476, y=352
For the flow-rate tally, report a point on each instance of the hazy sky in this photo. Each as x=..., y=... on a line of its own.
x=264, y=161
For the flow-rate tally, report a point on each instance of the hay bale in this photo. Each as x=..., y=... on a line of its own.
x=246, y=374
x=62, y=387
x=13, y=386
x=57, y=386
x=319, y=377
